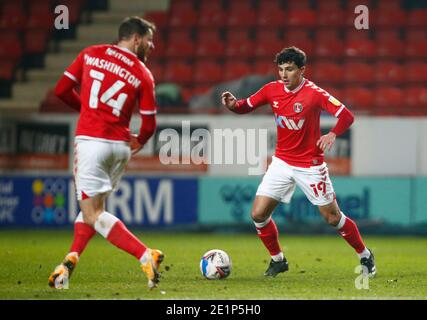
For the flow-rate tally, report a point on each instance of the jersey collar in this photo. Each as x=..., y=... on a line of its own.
x=126, y=50
x=297, y=88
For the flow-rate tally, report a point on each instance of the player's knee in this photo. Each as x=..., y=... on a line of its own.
x=259, y=216
x=90, y=217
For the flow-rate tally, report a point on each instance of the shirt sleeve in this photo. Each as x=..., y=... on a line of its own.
x=259, y=98
x=75, y=70
x=330, y=104
x=147, y=97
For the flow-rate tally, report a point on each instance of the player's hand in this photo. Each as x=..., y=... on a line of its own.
x=228, y=100
x=135, y=146
x=326, y=141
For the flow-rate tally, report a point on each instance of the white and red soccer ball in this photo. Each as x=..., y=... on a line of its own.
x=215, y=264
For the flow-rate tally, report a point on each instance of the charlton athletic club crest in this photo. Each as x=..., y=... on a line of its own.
x=297, y=107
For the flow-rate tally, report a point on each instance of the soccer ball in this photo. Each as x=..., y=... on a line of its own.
x=215, y=264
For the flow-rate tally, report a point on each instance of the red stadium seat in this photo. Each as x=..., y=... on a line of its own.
x=241, y=19
x=358, y=98
x=301, y=18
x=237, y=35
x=159, y=48
x=327, y=73
x=360, y=49
x=236, y=69
x=328, y=5
x=180, y=49
x=305, y=45
x=388, y=72
x=354, y=34
x=44, y=22
x=298, y=5
x=36, y=41
x=13, y=22
x=417, y=18
x=330, y=18
x=181, y=5
x=159, y=18
x=209, y=5
x=180, y=35
x=239, y=48
x=265, y=66
x=415, y=34
x=389, y=4
x=10, y=48
x=212, y=49
x=7, y=70
x=157, y=69
x=388, y=18
x=329, y=49
x=208, y=35
x=416, y=49
x=212, y=18
x=178, y=72
x=327, y=34
x=183, y=19
x=351, y=4
x=271, y=18
x=416, y=71
x=271, y=5
x=208, y=72
x=388, y=97
x=240, y=5
x=387, y=34
x=416, y=97
x=358, y=73
x=75, y=8
x=268, y=48
x=266, y=34
x=390, y=49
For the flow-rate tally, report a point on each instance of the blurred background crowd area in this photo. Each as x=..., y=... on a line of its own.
x=204, y=47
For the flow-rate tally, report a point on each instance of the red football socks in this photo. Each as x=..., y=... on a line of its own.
x=82, y=235
x=351, y=234
x=122, y=238
x=269, y=235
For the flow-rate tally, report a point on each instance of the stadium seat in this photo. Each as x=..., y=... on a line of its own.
x=265, y=66
x=36, y=41
x=159, y=18
x=416, y=97
x=351, y=4
x=183, y=19
x=388, y=97
x=178, y=72
x=75, y=8
x=236, y=69
x=181, y=5
x=327, y=34
x=241, y=19
x=357, y=98
x=270, y=5
x=208, y=35
x=389, y=4
x=44, y=22
x=180, y=35
x=212, y=18
x=208, y=72
x=417, y=18
x=354, y=34
x=159, y=48
x=415, y=34
x=7, y=70
x=329, y=49
x=239, y=48
x=11, y=48
x=358, y=73
x=236, y=35
x=415, y=49
x=327, y=73
x=157, y=69
x=212, y=49
x=306, y=45
x=388, y=72
x=416, y=72
x=328, y=5
x=13, y=22
x=180, y=49
x=209, y=5
x=330, y=18
x=268, y=48
x=390, y=49
x=388, y=18
x=268, y=18
x=389, y=34
x=240, y=5
x=360, y=49
x=301, y=18
x=298, y=5
x=266, y=34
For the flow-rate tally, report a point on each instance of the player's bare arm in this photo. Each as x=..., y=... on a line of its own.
x=135, y=145
x=228, y=100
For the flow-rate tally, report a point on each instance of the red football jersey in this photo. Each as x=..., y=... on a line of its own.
x=297, y=115
x=111, y=80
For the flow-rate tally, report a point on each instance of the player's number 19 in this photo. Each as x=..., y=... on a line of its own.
x=107, y=96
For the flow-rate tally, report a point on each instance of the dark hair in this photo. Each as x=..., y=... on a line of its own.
x=291, y=54
x=132, y=25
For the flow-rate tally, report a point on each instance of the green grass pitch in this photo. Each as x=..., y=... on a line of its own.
x=321, y=267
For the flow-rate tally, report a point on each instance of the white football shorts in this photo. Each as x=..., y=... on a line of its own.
x=98, y=165
x=281, y=178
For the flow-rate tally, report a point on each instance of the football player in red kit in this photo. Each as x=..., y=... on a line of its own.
x=112, y=79
x=299, y=157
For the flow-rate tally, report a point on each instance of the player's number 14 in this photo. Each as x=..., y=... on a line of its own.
x=107, y=96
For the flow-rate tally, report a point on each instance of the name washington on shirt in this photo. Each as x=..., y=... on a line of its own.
x=113, y=68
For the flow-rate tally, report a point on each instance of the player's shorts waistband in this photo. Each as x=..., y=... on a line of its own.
x=89, y=138
x=296, y=167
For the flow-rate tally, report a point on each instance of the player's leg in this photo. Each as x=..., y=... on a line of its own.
x=277, y=185
x=347, y=228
